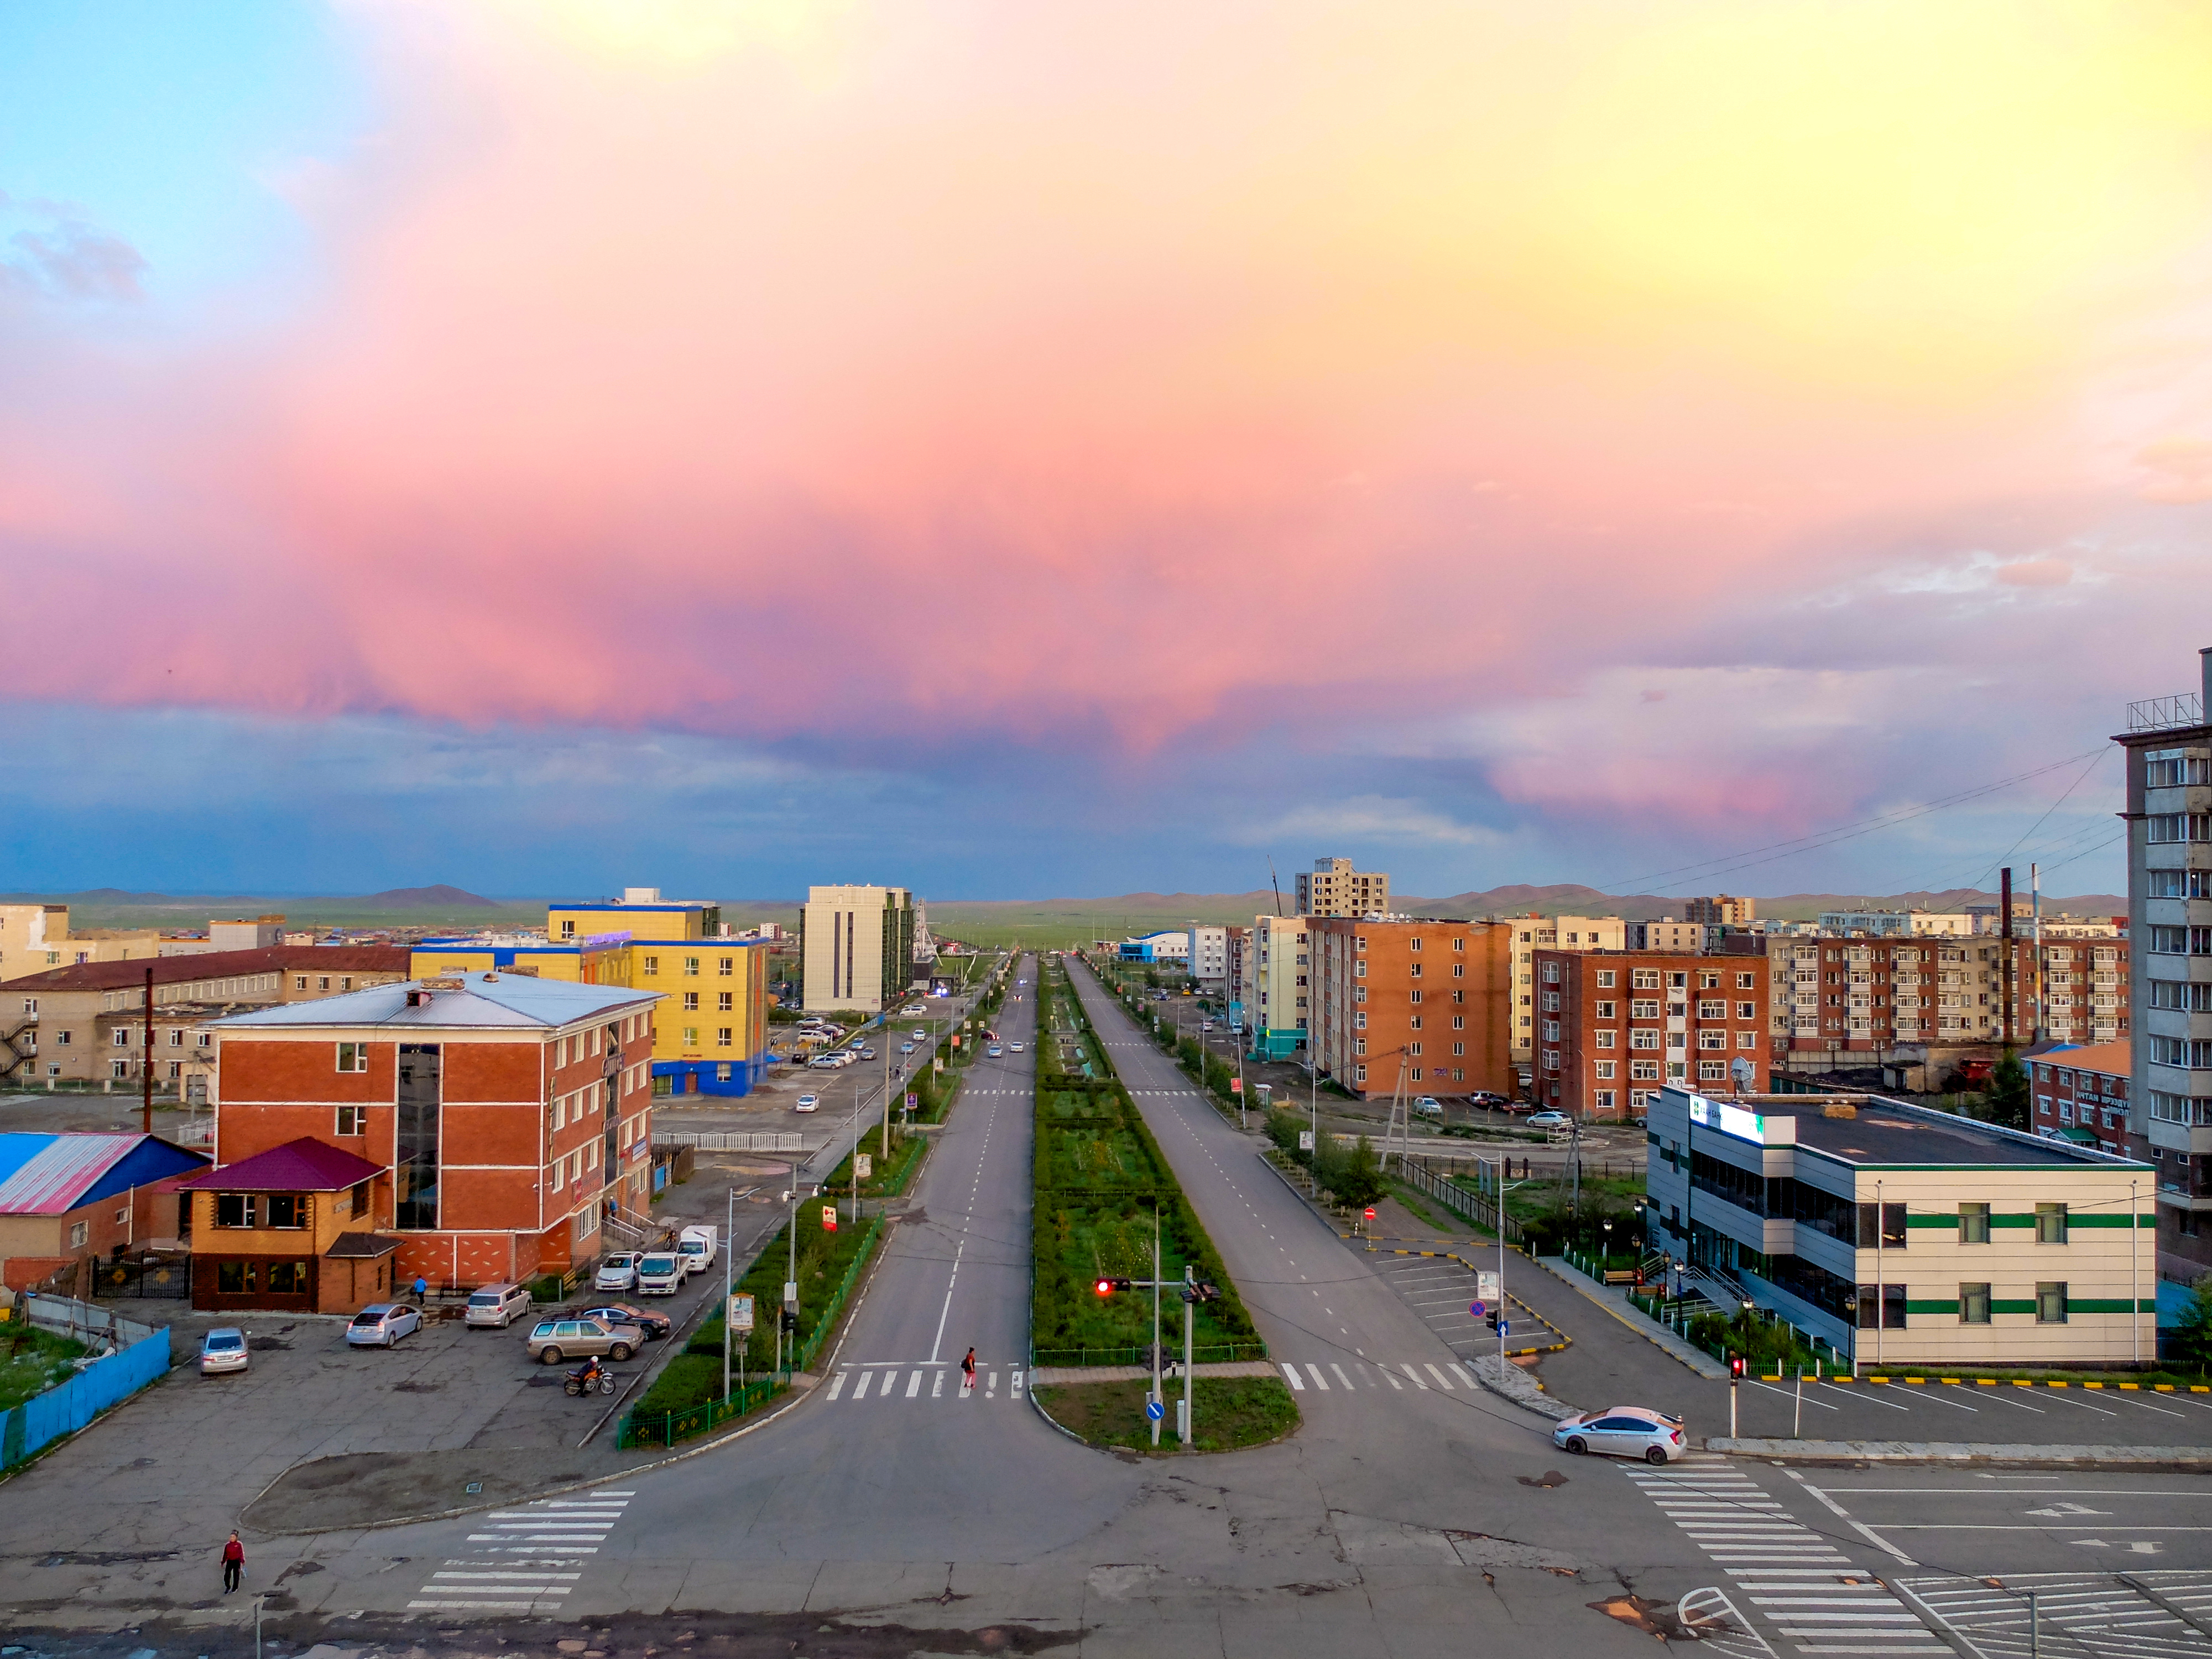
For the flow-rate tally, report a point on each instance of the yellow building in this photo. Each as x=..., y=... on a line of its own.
x=710, y=1035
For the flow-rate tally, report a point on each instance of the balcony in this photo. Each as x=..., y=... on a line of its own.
x=2185, y=708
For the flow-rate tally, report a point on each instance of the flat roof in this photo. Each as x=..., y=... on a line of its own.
x=1895, y=1133
x=478, y=1000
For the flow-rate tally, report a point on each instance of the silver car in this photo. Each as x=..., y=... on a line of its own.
x=556, y=1339
x=223, y=1349
x=1622, y=1431
x=382, y=1324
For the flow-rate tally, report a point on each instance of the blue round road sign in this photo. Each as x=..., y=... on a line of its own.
x=1477, y=1310
x=1154, y=1410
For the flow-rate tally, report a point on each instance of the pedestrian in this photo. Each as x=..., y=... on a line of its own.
x=234, y=1562
x=967, y=1371
x=422, y=1287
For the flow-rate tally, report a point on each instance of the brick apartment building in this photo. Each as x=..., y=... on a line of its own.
x=1437, y=994
x=2081, y=1095
x=1533, y=932
x=86, y=1023
x=486, y=1125
x=1615, y=1027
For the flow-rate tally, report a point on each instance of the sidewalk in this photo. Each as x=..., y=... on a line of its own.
x=1615, y=1302
x=1963, y=1451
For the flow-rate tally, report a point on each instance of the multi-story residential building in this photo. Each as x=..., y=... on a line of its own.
x=234, y=934
x=1333, y=888
x=466, y=1130
x=1236, y=990
x=2083, y=987
x=1278, y=969
x=711, y=1034
x=1722, y=910
x=1422, y=1004
x=857, y=947
x=87, y=1023
x=1901, y=924
x=2081, y=1095
x=1209, y=959
x=1532, y=934
x=2169, y=817
x=1904, y=1236
x=33, y=937
x=1669, y=933
x=1615, y=1027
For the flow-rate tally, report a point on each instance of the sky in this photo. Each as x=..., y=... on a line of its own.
x=1016, y=451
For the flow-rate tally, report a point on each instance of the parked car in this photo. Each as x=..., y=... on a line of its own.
x=868, y=1054
x=382, y=1324
x=906, y=1047
x=654, y=1325
x=803, y=1103
x=552, y=1340
x=823, y=1063
x=617, y=1272
x=660, y=1274
x=223, y=1349
x=695, y=1245
x=1486, y=1097
x=1622, y=1431
x=1548, y=1120
x=1428, y=1106
x=496, y=1305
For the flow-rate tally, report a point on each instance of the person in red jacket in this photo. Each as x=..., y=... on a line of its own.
x=234, y=1563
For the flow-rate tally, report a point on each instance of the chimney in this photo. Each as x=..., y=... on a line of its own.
x=2205, y=679
x=2004, y=952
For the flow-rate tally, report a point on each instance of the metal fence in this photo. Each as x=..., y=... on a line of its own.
x=782, y=1141
x=1421, y=1178
x=161, y=1277
x=138, y=1354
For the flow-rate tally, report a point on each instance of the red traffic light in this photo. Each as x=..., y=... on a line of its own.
x=1107, y=1286
x=1736, y=1365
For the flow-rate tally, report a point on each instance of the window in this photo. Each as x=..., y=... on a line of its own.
x=2172, y=768
x=78, y=1232
x=691, y=967
x=2051, y=1303
x=1412, y=945
x=1678, y=982
x=1892, y=1307
x=288, y=1210
x=1643, y=1008
x=722, y=1037
x=1973, y=1304
x=352, y=1120
x=1602, y=1039
x=653, y=964
x=1892, y=1227
x=235, y=1209
x=1605, y=1010
x=690, y=1002
x=1359, y=1073
x=1644, y=979
x=2050, y=1223
x=690, y=1036
x=1414, y=971
x=1712, y=1071
x=1708, y=981
x=1459, y=944
x=298, y=981
x=201, y=1039
x=287, y=1279
x=2177, y=883
x=118, y=1068
x=1604, y=1068
x=2163, y=828
x=2196, y=1054
x=2195, y=999
x=1747, y=981
x=1459, y=1022
x=323, y=983
x=176, y=1038
x=1747, y=1039
x=353, y=1056
x=1747, y=1010
x=1605, y=979
x=1643, y=1071
x=122, y=1037
x=724, y=1003
x=726, y=966
x=1413, y=1047
x=1459, y=971
x=359, y=1196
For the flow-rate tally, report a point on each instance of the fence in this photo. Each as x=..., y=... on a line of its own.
x=1416, y=1174
x=1217, y=1353
x=143, y=1355
x=783, y=1140
x=666, y=1428
x=163, y=1276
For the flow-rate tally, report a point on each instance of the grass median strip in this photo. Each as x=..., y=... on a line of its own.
x=1230, y=1412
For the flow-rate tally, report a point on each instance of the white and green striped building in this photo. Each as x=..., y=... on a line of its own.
x=1980, y=1245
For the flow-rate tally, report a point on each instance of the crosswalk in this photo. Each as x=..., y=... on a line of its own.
x=2144, y=1616
x=878, y=1384
x=528, y=1559
x=1798, y=1581
x=1400, y=1376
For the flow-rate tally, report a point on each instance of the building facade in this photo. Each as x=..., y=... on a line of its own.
x=1615, y=1027
x=1904, y=1236
x=1532, y=934
x=1208, y=959
x=1279, y=1013
x=2081, y=1095
x=74, y=1201
x=36, y=937
x=1424, y=1005
x=2169, y=817
x=857, y=948
x=1333, y=888
x=1901, y=924
x=502, y=1117
x=1722, y=910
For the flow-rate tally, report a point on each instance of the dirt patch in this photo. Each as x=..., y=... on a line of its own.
x=358, y=1488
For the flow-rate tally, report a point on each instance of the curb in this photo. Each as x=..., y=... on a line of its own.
x=1961, y=1452
x=1719, y=1372
x=2005, y=1383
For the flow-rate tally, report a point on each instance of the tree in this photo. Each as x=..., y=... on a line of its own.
x=2008, y=1095
x=1357, y=1181
x=2192, y=1334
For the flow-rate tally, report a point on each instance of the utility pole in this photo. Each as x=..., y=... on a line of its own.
x=1190, y=1308
x=729, y=1227
x=146, y=1060
x=1158, y=1399
x=2035, y=899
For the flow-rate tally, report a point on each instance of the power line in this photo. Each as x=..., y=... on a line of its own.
x=1999, y=860
x=1706, y=868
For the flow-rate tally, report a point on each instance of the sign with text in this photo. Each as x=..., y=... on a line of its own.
x=863, y=1166
x=740, y=1315
x=1235, y=1085
x=828, y=1217
x=913, y=1100
x=1486, y=1288
x=1305, y=1141
x=1728, y=1120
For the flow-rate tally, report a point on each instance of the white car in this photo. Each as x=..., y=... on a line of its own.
x=223, y=1349
x=617, y=1272
x=920, y=1036
x=1016, y=1047
x=906, y=1047
x=807, y=1103
x=382, y=1324
x=994, y=1051
x=1428, y=1106
x=1549, y=1120
x=1622, y=1431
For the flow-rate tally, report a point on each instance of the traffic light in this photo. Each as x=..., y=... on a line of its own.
x=1735, y=1367
x=1493, y=1318
x=1107, y=1286
x=790, y=1323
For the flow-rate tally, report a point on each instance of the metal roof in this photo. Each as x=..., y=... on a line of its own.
x=305, y=1165
x=48, y=1173
x=484, y=999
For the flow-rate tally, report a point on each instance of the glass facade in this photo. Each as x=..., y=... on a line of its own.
x=415, y=1158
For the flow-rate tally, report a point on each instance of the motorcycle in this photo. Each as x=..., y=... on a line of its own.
x=587, y=1378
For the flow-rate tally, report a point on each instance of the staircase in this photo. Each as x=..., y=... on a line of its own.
x=13, y=1055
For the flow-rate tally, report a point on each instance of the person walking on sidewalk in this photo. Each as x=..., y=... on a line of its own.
x=234, y=1562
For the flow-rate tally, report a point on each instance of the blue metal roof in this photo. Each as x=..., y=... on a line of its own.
x=484, y=999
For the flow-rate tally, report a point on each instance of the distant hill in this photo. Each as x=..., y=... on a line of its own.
x=441, y=897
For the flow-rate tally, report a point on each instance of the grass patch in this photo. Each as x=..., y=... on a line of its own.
x=32, y=1361
x=1418, y=1204
x=1230, y=1412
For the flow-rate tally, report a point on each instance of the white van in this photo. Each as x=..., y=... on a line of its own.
x=660, y=1274
x=696, y=1246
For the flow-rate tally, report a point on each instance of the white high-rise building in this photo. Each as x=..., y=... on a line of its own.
x=858, y=947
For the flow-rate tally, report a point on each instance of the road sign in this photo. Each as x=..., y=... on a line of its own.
x=1305, y=1141
x=1505, y=1328
x=740, y=1315
x=1477, y=1309
x=1154, y=1410
x=828, y=1217
x=790, y=1292
x=1370, y=1213
x=1235, y=1085
x=1487, y=1287
x=913, y=1100
x=863, y=1166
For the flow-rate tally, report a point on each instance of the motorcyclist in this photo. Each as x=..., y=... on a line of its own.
x=587, y=1376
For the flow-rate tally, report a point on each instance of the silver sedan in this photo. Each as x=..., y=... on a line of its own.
x=1622, y=1431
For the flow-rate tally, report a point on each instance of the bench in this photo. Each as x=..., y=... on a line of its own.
x=1621, y=1276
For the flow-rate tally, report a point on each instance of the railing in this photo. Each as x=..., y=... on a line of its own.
x=782, y=1141
x=1216, y=1353
x=1417, y=1175
x=2167, y=713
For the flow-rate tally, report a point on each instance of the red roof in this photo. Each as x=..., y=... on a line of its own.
x=219, y=965
x=305, y=1165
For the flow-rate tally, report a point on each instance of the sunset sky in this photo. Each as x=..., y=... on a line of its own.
x=1018, y=450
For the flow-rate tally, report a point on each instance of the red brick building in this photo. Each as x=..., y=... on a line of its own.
x=1437, y=996
x=2081, y=1095
x=505, y=1115
x=1615, y=1027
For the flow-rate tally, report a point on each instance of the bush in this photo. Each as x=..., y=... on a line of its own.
x=2191, y=1344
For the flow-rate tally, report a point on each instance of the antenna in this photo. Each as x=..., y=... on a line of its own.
x=1277, y=884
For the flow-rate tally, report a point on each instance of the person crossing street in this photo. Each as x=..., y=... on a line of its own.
x=234, y=1563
